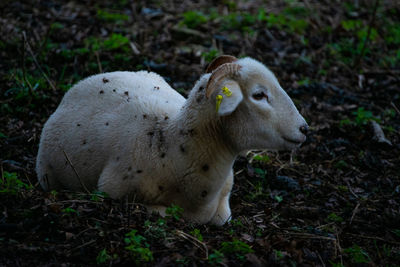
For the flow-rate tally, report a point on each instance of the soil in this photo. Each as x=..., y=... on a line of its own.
x=333, y=202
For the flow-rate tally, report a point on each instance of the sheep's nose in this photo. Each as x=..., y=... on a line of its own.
x=304, y=129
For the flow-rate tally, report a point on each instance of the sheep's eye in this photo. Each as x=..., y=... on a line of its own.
x=260, y=96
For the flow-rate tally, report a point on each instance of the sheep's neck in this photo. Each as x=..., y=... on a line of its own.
x=200, y=135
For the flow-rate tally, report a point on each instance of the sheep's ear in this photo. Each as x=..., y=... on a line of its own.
x=220, y=61
x=231, y=97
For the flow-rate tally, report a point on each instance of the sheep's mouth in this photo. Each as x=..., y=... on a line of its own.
x=296, y=142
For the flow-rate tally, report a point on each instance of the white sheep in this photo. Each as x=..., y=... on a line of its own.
x=130, y=133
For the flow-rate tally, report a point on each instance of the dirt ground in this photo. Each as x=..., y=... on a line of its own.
x=333, y=202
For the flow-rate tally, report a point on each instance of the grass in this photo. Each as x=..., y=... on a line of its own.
x=237, y=248
x=103, y=257
x=361, y=118
x=357, y=254
x=193, y=19
x=11, y=184
x=111, y=17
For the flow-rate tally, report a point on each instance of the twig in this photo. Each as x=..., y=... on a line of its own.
x=360, y=57
x=26, y=176
x=83, y=245
x=73, y=201
x=194, y=241
x=98, y=61
x=311, y=236
x=23, y=65
x=337, y=243
x=394, y=106
x=320, y=258
x=2, y=172
x=354, y=212
x=377, y=238
x=351, y=190
x=76, y=173
x=36, y=62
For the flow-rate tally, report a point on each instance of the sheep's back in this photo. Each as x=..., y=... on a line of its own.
x=103, y=116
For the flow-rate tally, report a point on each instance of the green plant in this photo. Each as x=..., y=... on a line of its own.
x=25, y=86
x=279, y=255
x=256, y=192
x=335, y=218
x=392, y=35
x=343, y=188
x=351, y=25
x=357, y=254
x=193, y=19
x=69, y=211
x=392, y=59
x=341, y=164
x=237, y=223
x=138, y=248
x=216, y=257
x=98, y=195
x=237, y=248
x=396, y=232
x=242, y=21
x=10, y=184
x=103, y=256
x=196, y=233
x=364, y=116
x=278, y=198
x=262, y=158
x=156, y=230
x=210, y=55
x=291, y=19
x=336, y=264
x=111, y=17
x=174, y=211
x=115, y=42
x=260, y=172
x=305, y=81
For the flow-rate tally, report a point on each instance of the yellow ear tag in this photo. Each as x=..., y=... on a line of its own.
x=226, y=91
x=219, y=100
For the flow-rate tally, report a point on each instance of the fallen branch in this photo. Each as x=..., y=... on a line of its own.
x=354, y=212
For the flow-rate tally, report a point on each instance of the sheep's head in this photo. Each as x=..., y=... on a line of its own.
x=256, y=112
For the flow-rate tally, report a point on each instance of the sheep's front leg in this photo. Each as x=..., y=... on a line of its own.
x=223, y=213
x=156, y=209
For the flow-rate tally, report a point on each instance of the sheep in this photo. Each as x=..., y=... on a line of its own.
x=131, y=134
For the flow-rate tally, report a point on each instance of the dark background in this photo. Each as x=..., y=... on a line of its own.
x=334, y=202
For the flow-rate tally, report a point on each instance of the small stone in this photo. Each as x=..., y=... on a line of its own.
x=285, y=183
